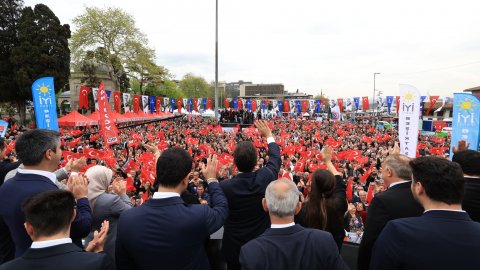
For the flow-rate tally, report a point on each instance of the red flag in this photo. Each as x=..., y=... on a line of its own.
x=370, y=194
x=179, y=105
x=158, y=104
x=349, y=189
x=240, y=104
x=340, y=104
x=365, y=104
x=433, y=100
x=195, y=104
x=209, y=104
x=106, y=123
x=397, y=103
x=364, y=177
x=226, y=102
x=304, y=105
x=117, y=101
x=254, y=105
x=83, y=98
x=136, y=103
x=286, y=106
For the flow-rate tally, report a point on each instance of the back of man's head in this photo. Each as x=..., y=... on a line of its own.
x=469, y=160
x=245, y=156
x=32, y=145
x=442, y=179
x=399, y=164
x=172, y=167
x=49, y=212
x=282, y=198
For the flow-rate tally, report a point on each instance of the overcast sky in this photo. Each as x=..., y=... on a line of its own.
x=311, y=45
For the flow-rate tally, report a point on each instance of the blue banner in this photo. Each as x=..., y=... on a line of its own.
x=249, y=104
x=3, y=128
x=235, y=103
x=151, y=103
x=356, y=101
x=264, y=105
x=108, y=94
x=204, y=102
x=190, y=104
x=465, y=120
x=44, y=103
x=422, y=99
x=389, y=102
x=298, y=104
x=280, y=105
x=172, y=103
x=318, y=106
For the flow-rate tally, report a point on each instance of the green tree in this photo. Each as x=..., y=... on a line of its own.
x=194, y=86
x=170, y=89
x=41, y=50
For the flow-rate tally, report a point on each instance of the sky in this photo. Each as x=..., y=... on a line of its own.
x=311, y=45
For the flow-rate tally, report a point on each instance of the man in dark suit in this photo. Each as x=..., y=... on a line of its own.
x=444, y=237
x=286, y=245
x=469, y=161
x=40, y=152
x=165, y=232
x=48, y=216
x=396, y=202
x=244, y=192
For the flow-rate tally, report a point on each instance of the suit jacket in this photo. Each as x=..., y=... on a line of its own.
x=436, y=240
x=64, y=256
x=292, y=248
x=168, y=233
x=23, y=186
x=108, y=207
x=396, y=202
x=471, y=200
x=247, y=219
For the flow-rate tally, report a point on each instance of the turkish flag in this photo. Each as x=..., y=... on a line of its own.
x=365, y=105
x=350, y=189
x=226, y=102
x=179, y=105
x=209, y=104
x=397, y=102
x=83, y=97
x=158, y=104
x=433, y=100
x=340, y=104
x=254, y=105
x=304, y=105
x=240, y=104
x=136, y=103
x=117, y=101
x=286, y=106
x=195, y=103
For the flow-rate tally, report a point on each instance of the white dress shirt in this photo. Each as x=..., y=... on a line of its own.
x=397, y=183
x=281, y=226
x=164, y=195
x=51, y=243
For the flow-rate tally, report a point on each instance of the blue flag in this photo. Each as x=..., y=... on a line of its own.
x=466, y=120
x=173, y=101
x=422, y=99
x=151, y=103
x=3, y=128
x=108, y=94
x=249, y=104
x=235, y=103
x=356, y=101
x=298, y=104
x=318, y=106
x=190, y=104
x=389, y=102
x=264, y=105
x=204, y=102
x=280, y=105
x=45, y=104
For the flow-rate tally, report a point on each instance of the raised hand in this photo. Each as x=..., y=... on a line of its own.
x=462, y=146
x=263, y=128
x=99, y=237
x=210, y=170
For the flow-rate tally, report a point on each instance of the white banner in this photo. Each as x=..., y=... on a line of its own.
x=349, y=105
x=126, y=101
x=335, y=109
x=95, y=93
x=145, y=104
x=408, y=119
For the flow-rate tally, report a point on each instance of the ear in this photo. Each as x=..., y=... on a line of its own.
x=48, y=154
x=74, y=215
x=29, y=230
x=264, y=205
x=298, y=208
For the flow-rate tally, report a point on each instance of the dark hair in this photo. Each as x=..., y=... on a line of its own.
x=32, y=145
x=49, y=212
x=442, y=179
x=2, y=144
x=245, y=156
x=469, y=160
x=320, y=204
x=172, y=167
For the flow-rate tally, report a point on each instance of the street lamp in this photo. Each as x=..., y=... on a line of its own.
x=216, y=59
x=373, y=105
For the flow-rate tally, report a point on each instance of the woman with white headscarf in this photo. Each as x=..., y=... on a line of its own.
x=105, y=205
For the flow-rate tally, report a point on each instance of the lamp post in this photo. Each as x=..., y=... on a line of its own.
x=373, y=104
x=216, y=59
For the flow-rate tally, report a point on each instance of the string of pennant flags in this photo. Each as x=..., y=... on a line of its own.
x=155, y=104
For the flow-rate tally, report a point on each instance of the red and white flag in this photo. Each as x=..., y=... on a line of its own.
x=107, y=124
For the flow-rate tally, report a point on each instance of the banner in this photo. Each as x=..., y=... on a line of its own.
x=292, y=105
x=136, y=103
x=117, y=101
x=380, y=103
x=106, y=123
x=235, y=104
x=365, y=105
x=340, y=104
x=389, y=103
x=311, y=104
x=173, y=102
x=280, y=105
x=397, y=103
x=179, y=105
x=151, y=104
x=264, y=105
x=249, y=104
x=356, y=100
x=126, y=102
x=349, y=105
x=318, y=106
x=109, y=92
x=83, y=97
x=226, y=102
x=3, y=128
x=335, y=109
x=408, y=120
x=422, y=100
x=45, y=104
x=240, y=104
x=158, y=104
x=465, y=121
x=145, y=103
x=433, y=100
x=190, y=104
x=254, y=105
x=258, y=103
x=209, y=104
x=95, y=94
x=286, y=106
x=200, y=106
x=298, y=104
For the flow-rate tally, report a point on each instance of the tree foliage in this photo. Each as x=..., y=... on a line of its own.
x=39, y=49
x=194, y=86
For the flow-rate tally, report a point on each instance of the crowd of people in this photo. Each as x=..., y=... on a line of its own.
x=288, y=186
